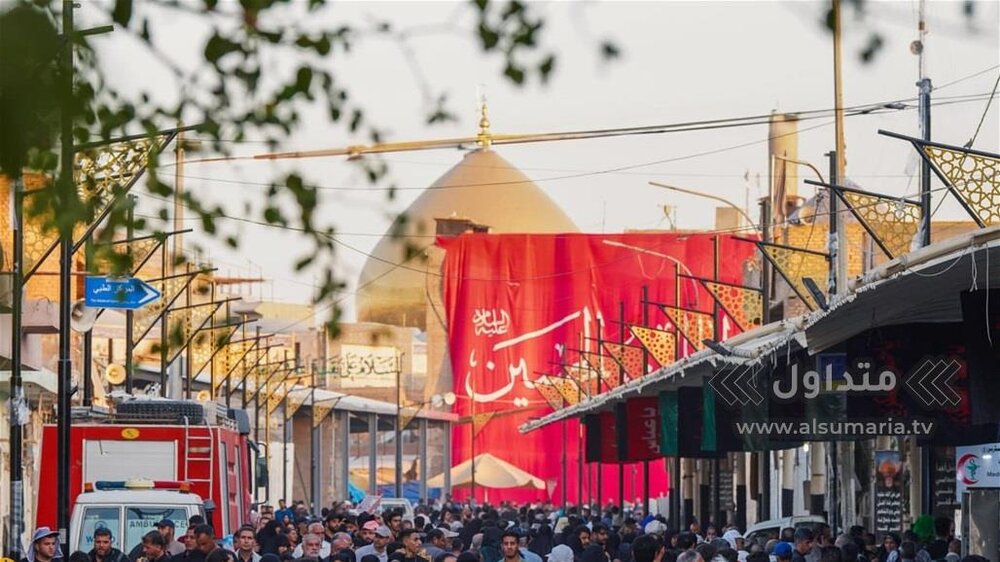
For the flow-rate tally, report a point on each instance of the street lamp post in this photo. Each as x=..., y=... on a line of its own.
x=722, y=200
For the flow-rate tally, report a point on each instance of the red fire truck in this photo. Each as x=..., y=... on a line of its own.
x=159, y=440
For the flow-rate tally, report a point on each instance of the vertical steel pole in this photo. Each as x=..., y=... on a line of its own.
x=579, y=471
x=717, y=333
x=621, y=381
x=398, y=476
x=130, y=314
x=925, y=167
x=373, y=454
x=423, y=459
x=88, y=340
x=676, y=479
x=840, y=154
x=833, y=241
x=600, y=364
x=645, y=365
x=562, y=485
x=66, y=191
x=17, y=402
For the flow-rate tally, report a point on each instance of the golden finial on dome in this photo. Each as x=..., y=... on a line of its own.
x=484, y=138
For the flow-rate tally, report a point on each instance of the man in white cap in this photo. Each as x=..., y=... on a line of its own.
x=44, y=546
x=737, y=543
x=383, y=536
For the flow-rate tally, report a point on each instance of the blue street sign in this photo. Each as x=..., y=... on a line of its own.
x=128, y=293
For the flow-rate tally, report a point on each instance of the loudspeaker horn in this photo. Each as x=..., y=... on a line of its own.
x=82, y=317
x=203, y=396
x=114, y=374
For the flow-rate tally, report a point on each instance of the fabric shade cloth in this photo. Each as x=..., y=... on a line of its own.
x=491, y=472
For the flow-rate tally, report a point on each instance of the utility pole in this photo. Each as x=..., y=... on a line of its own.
x=840, y=159
x=67, y=197
x=924, y=86
x=17, y=402
x=178, y=237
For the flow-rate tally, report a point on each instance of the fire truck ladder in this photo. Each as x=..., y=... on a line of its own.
x=198, y=449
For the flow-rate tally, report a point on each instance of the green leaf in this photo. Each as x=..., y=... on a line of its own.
x=303, y=78
x=546, y=66
x=122, y=12
x=304, y=262
x=322, y=45
x=515, y=74
x=218, y=47
x=872, y=48
x=488, y=36
x=609, y=50
x=513, y=8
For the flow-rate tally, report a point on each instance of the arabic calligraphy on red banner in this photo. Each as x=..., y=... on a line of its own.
x=518, y=306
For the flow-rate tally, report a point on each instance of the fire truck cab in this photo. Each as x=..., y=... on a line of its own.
x=204, y=446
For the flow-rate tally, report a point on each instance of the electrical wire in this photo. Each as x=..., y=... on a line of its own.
x=985, y=111
x=608, y=171
x=712, y=124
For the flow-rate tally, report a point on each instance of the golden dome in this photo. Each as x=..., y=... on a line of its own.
x=483, y=188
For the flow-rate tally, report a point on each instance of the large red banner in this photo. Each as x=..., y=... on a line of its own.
x=521, y=306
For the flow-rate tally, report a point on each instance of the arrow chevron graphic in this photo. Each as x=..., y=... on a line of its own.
x=930, y=382
x=735, y=385
x=721, y=385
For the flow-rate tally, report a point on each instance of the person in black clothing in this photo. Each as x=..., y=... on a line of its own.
x=267, y=538
x=191, y=553
x=154, y=548
x=938, y=548
x=103, y=550
x=412, y=547
x=219, y=555
x=578, y=539
x=648, y=548
x=803, y=544
x=595, y=550
x=541, y=543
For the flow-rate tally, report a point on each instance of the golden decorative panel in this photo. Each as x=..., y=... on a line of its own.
x=794, y=264
x=322, y=409
x=745, y=305
x=892, y=222
x=549, y=392
x=603, y=367
x=185, y=324
x=694, y=326
x=629, y=357
x=294, y=402
x=205, y=350
x=100, y=174
x=661, y=344
x=480, y=420
x=169, y=290
x=567, y=388
x=406, y=415
x=226, y=361
x=974, y=177
x=141, y=250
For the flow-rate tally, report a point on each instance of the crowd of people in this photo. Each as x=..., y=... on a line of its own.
x=464, y=533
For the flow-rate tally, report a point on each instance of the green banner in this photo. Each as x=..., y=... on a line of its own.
x=708, y=431
x=668, y=424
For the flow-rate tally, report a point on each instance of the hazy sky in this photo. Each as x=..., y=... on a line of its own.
x=681, y=61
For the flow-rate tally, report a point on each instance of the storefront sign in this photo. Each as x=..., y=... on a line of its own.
x=977, y=466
